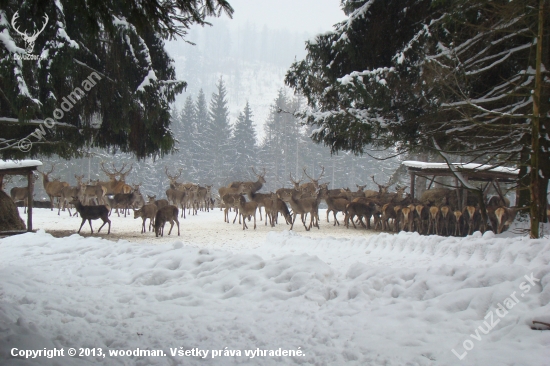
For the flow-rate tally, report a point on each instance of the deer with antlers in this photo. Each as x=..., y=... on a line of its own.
x=54, y=187
x=311, y=188
x=115, y=186
x=174, y=184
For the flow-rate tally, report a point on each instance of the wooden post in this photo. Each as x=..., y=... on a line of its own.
x=413, y=179
x=30, y=182
x=465, y=193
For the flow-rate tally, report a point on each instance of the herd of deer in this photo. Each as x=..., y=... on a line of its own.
x=434, y=213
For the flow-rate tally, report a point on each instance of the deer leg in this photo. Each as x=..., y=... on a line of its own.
x=328, y=211
x=90, y=222
x=237, y=214
x=104, y=222
x=292, y=221
x=255, y=219
x=82, y=224
x=335, y=219
x=171, y=226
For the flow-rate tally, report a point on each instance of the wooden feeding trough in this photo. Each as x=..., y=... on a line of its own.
x=470, y=171
x=25, y=168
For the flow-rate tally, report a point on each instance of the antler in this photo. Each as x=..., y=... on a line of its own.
x=123, y=175
x=318, y=178
x=258, y=175
x=106, y=171
x=35, y=34
x=15, y=16
x=296, y=183
x=172, y=177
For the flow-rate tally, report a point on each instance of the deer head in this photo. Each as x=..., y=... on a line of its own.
x=29, y=40
x=381, y=188
x=261, y=177
x=172, y=178
x=313, y=180
x=296, y=182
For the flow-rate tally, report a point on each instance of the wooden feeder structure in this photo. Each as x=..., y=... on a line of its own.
x=25, y=168
x=470, y=171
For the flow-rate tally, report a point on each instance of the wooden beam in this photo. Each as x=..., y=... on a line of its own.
x=30, y=188
x=413, y=179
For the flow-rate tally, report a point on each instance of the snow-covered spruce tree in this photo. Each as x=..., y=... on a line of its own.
x=201, y=142
x=127, y=104
x=185, y=131
x=458, y=79
x=244, y=143
x=219, y=151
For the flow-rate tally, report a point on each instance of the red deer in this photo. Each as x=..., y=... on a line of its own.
x=335, y=205
x=91, y=213
x=146, y=212
x=114, y=186
x=53, y=188
x=505, y=216
x=301, y=206
x=471, y=218
x=20, y=194
x=159, y=203
x=167, y=213
x=247, y=210
x=433, y=220
x=445, y=219
x=67, y=193
x=459, y=221
x=360, y=210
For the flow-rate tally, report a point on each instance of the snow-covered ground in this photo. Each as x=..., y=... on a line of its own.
x=330, y=297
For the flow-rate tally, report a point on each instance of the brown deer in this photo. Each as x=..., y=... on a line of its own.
x=115, y=186
x=167, y=213
x=278, y=206
x=174, y=184
x=261, y=199
x=20, y=194
x=407, y=217
x=505, y=216
x=458, y=221
x=177, y=198
x=334, y=204
x=146, y=212
x=312, y=187
x=302, y=206
x=361, y=210
x=231, y=200
x=287, y=192
x=159, y=203
x=91, y=213
x=67, y=194
x=53, y=188
x=471, y=218
x=124, y=201
x=422, y=218
x=433, y=220
x=247, y=210
x=93, y=191
x=445, y=219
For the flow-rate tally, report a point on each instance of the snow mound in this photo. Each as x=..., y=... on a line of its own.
x=382, y=300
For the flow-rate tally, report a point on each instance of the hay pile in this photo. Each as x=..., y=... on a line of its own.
x=9, y=216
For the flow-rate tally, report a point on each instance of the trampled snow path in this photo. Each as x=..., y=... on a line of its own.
x=363, y=300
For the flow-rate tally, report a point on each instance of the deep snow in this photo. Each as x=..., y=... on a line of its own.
x=339, y=296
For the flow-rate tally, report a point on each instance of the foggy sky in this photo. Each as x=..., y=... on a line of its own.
x=312, y=16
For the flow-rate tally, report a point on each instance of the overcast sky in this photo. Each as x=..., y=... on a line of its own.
x=312, y=16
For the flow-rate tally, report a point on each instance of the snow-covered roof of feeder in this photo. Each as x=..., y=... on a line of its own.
x=473, y=171
x=18, y=165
